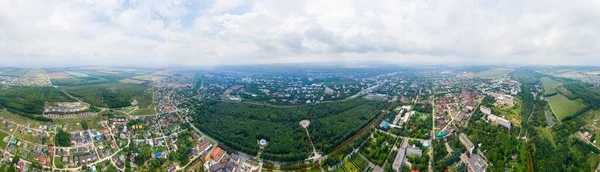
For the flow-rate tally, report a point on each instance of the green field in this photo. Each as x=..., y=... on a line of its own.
x=563, y=107
x=149, y=111
x=350, y=167
x=547, y=134
x=2, y=143
x=550, y=85
x=493, y=73
x=77, y=74
x=36, y=74
x=361, y=163
x=15, y=72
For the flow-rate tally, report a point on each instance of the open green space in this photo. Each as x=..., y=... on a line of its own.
x=35, y=74
x=350, y=167
x=16, y=72
x=377, y=149
x=149, y=111
x=492, y=73
x=30, y=100
x=360, y=163
x=563, y=107
x=77, y=74
x=241, y=125
x=2, y=143
x=547, y=134
x=550, y=86
x=113, y=95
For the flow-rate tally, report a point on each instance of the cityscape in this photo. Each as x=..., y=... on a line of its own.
x=299, y=86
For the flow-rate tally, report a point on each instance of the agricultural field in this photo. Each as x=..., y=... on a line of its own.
x=550, y=85
x=35, y=74
x=148, y=111
x=59, y=75
x=563, y=107
x=131, y=81
x=594, y=72
x=77, y=74
x=493, y=73
x=145, y=77
x=16, y=72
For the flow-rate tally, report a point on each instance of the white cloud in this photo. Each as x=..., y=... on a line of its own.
x=205, y=32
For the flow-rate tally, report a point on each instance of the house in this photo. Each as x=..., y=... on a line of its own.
x=485, y=110
x=413, y=151
x=384, y=125
x=217, y=154
x=476, y=164
x=466, y=142
x=496, y=120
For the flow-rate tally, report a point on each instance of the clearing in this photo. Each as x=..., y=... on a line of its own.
x=563, y=107
x=131, y=81
x=59, y=75
x=35, y=74
x=144, y=77
x=349, y=166
x=550, y=85
x=547, y=134
x=15, y=72
x=77, y=74
x=493, y=73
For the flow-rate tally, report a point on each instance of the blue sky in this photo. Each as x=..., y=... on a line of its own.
x=162, y=33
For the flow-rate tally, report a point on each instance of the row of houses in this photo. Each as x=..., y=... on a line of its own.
x=78, y=115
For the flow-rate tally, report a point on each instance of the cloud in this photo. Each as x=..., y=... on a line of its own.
x=207, y=32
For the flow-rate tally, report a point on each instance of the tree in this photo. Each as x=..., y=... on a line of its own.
x=15, y=160
x=63, y=138
x=84, y=125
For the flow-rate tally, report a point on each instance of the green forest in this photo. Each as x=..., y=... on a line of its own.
x=30, y=100
x=241, y=125
x=114, y=95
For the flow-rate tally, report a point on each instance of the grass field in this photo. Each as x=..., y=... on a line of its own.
x=350, y=167
x=59, y=74
x=340, y=170
x=493, y=73
x=15, y=72
x=361, y=163
x=564, y=91
x=2, y=143
x=510, y=113
x=35, y=74
x=596, y=72
x=131, y=81
x=547, y=134
x=77, y=74
x=149, y=111
x=145, y=77
x=550, y=85
x=563, y=107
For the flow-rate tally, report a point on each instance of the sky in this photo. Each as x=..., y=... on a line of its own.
x=160, y=33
